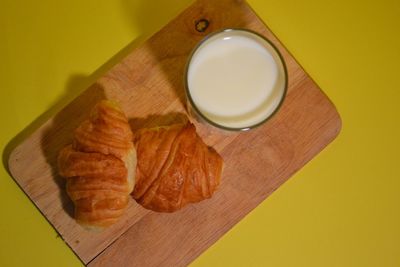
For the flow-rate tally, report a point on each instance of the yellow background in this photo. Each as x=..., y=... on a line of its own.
x=342, y=209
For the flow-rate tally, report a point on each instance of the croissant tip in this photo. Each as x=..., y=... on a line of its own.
x=107, y=104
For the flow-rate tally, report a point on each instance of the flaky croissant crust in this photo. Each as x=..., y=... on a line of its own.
x=99, y=166
x=174, y=168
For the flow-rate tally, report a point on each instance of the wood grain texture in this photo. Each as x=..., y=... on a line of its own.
x=149, y=85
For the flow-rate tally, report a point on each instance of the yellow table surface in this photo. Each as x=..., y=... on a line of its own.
x=341, y=209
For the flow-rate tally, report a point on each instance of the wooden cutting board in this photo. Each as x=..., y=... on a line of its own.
x=149, y=85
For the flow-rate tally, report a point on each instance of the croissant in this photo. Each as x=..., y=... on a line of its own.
x=100, y=166
x=174, y=168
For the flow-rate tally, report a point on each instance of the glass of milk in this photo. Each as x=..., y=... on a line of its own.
x=235, y=80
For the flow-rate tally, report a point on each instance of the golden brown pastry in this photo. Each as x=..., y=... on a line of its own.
x=100, y=166
x=174, y=168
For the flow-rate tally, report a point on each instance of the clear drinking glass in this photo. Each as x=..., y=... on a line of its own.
x=235, y=80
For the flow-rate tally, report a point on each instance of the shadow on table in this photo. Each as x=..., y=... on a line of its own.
x=147, y=16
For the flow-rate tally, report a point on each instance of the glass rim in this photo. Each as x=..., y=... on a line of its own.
x=194, y=106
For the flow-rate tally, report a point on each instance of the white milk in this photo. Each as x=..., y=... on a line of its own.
x=236, y=79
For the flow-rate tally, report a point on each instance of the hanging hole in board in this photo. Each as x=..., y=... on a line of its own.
x=202, y=25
